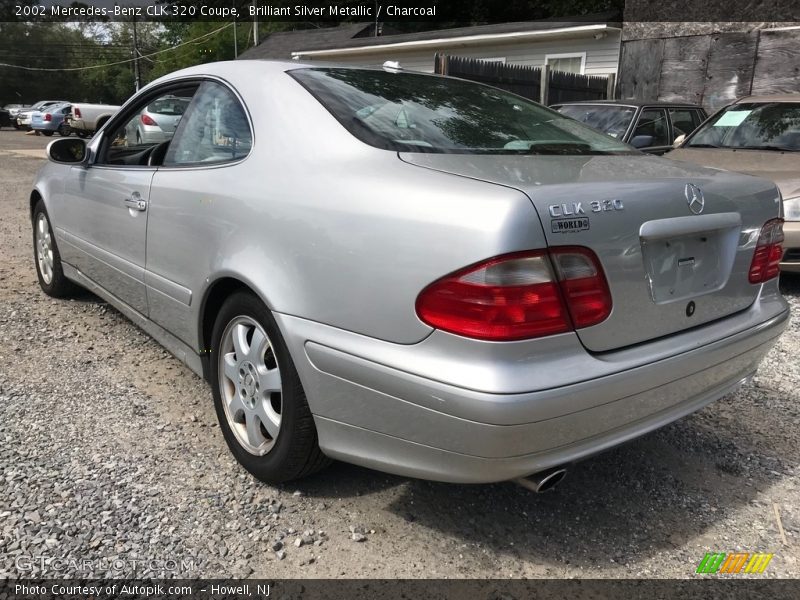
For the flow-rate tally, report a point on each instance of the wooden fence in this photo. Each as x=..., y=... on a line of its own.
x=537, y=83
x=711, y=70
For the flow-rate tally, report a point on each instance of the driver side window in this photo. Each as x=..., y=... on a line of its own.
x=150, y=126
x=653, y=124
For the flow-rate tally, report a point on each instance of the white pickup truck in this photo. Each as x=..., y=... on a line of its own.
x=85, y=119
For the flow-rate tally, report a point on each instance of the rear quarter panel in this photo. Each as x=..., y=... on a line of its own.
x=323, y=226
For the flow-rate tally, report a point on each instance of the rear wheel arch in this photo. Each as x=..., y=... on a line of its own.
x=215, y=296
x=100, y=122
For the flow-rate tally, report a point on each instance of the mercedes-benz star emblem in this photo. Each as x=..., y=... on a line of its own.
x=695, y=198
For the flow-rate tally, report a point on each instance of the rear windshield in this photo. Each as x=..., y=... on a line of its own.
x=752, y=126
x=613, y=120
x=410, y=112
x=169, y=105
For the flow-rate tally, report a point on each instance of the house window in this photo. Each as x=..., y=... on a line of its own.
x=569, y=63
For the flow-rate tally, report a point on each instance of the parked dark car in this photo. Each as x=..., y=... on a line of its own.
x=5, y=118
x=648, y=126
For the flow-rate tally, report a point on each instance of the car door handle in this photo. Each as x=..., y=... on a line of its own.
x=135, y=202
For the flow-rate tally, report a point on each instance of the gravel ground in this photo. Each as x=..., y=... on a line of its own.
x=110, y=454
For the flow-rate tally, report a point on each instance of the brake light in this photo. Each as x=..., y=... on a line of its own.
x=76, y=112
x=767, y=257
x=48, y=117
x=583, y=284
x=519, y=296
x=147, y=120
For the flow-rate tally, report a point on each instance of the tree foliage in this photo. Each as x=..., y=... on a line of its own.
x=91, y=60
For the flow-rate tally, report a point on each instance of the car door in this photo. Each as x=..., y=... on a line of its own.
x=105, y=225
x=651, y=131
x=191, y=195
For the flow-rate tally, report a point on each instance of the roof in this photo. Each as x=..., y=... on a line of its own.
x=353, y=38
x=629, y=103
x=281, y=44
x=772, y=98
x=442, y=38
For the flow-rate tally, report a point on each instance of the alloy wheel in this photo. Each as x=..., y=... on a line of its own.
x=44, y=248
x=250, y=385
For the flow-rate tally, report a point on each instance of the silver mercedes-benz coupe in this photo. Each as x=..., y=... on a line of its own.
x=419, y=274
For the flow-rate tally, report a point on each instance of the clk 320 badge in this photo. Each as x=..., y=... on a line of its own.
x=576, y=208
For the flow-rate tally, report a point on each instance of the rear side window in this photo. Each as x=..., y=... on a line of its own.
x=214, y=129
x=684, y=120
x=409, y=112
x=169, y=105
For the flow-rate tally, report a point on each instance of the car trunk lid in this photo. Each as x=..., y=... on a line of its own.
x=668, y=268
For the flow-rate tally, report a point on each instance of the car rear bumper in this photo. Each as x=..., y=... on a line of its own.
x=385, y=417
x=791, y=247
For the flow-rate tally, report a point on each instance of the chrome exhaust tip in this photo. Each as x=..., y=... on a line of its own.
x=543, y=481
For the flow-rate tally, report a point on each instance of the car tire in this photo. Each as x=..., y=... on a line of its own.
x=47, y=258
x=46, y=133
x=253, y=374
x=82, y=134
x=64, y=130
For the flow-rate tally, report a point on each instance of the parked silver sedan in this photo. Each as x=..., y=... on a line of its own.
x=157, y=121
x=415, y=273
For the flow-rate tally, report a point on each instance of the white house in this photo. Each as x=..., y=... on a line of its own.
x=586, y=47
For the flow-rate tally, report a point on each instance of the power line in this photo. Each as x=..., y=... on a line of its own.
x=121, y=62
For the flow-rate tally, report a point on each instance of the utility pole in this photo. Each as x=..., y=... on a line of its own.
x=136, y=77
x=255, y=27
x=235, y=41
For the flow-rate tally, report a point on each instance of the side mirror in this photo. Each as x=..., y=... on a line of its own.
x=679, y=140
x=67, y=150
x=642, y=141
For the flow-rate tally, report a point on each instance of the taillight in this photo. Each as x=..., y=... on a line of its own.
x=147, y=120
x=583, y=284
x=767, y=257
x=48, y=117
x=519, y=296
x=76, y=112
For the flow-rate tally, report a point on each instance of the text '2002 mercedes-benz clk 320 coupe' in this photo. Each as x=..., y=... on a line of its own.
x=419, y=274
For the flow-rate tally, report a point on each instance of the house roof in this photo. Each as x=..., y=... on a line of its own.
x=351, y=38
x=281, y=44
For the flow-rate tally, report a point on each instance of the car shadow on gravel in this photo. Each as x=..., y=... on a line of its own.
x=343, y=480
x=652, y=495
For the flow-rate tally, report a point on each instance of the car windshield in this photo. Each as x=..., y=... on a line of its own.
x=753, y=126
x=613, y=120
x=410, y=112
